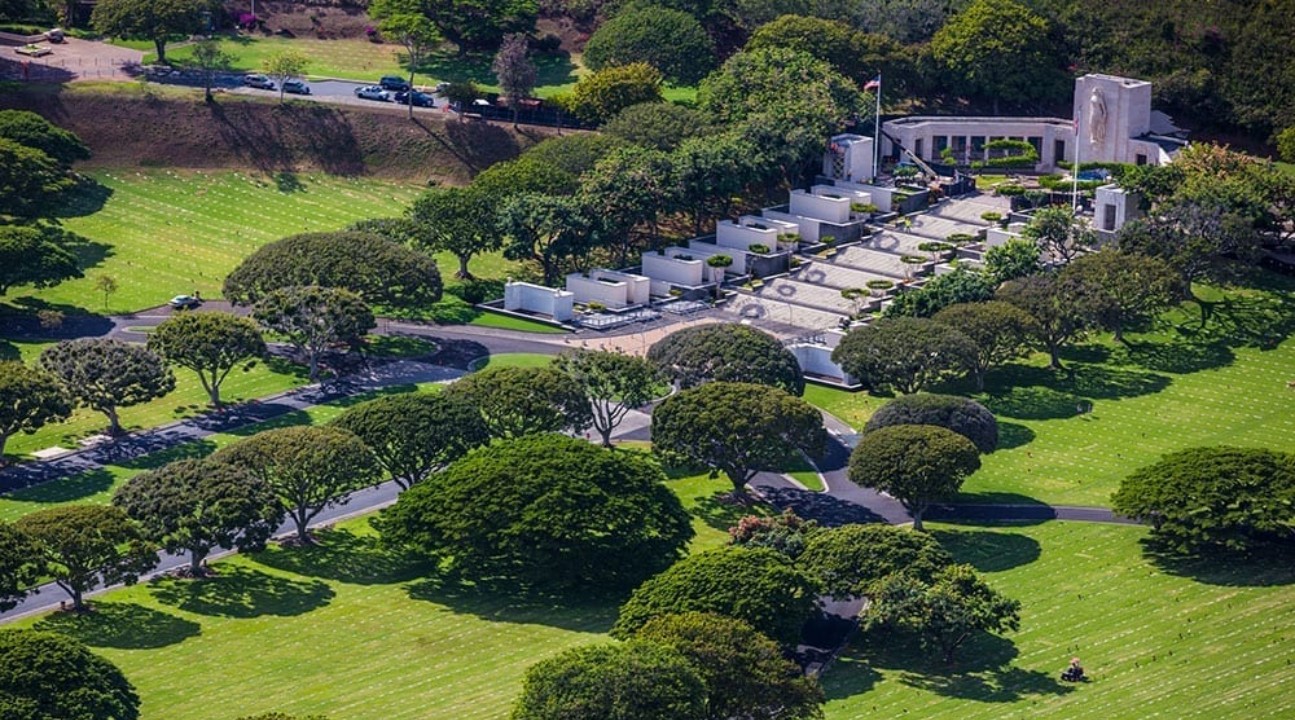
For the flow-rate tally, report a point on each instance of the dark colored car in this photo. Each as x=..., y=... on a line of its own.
x=296, y=87
x=394, y=83
x=419, y=98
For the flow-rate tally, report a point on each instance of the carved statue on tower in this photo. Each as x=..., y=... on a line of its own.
x=1097, y=117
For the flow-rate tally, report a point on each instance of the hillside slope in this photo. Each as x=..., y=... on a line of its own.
x=128, y=126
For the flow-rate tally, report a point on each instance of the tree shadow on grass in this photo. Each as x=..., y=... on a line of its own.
x=1176, y=357
x=1035, y=393
x=1259, y=321
x=1033, y=402
x=982, y=670
x=195, y=450
x=849, y=676
x=62, y=490
x=989, y=551
x=507, y=601
x=1013, y=435
x=87, y=198
x=121, y=625
x=241, y=592
x=346, y=557
x=1263, y=568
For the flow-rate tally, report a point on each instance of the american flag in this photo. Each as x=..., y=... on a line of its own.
x=873, y=84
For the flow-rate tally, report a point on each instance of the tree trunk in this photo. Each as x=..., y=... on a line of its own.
x=195, y=561
x=1054, y=353
x=980, y=379
x=213, y=391
x=303, y=530
x=114, y=422
x=78, y=598
x=1119, y=334
x=161, y=50
x=410, y=96
x=4, y=438
x=607, y=438
x=917, y=517
x=314, y=367
x=463, y=273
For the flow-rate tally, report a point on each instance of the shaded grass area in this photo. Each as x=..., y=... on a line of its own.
x=854, y=408
x=1190, y=647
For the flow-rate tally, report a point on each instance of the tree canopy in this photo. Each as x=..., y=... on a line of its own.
x=155, y=20
x=745, y=673
x=629, y=681
x=517, y=401
x=727, y=352
x=514, y=70
x=29, y=398
x=962, y=415
x=413, y=434
x=963, y=285
x=669, y=40
x=1202, y=499
x=852, y=560
x=1015, y=258
x=32, y=184
x=915, y=464
x=46, y=675
x=600, y=96
x=83, y=546
x=376, y=269
x=1116, y=290
x=17, y=571
x=999, y=49
x=455, y=220
x=29, y=256
x=314, y=319
x=999, y=330
x=615, y=383
x=27, y=128
x=211, y=344
x=1059, y=234
x=479, y=25
x=756, y=585
x=548, y=510
x=905, y=353
x=750, y=82
x=1051, y=299
x=309, y=468
x=737, y=428
x=105, y=374
x=196, y=506
x=661, y=126
x=943, y=612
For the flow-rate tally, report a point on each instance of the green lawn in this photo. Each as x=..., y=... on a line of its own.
x=512, y=360
x=163, y=233
x=507, y=322
x=1156, y=644
x=854, y=408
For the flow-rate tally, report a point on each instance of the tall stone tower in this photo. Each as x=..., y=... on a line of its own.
x=1111, y=111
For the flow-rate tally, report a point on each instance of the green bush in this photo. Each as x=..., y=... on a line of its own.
x=962, y=415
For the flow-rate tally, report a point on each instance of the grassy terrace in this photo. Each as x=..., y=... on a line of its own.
x=353, y=631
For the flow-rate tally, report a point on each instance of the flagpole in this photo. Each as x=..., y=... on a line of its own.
x=1074, y=170
x=876, y=134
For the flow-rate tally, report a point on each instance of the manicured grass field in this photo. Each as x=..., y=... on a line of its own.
x=165, y=233
x=854, y=408
x=505, y=322
x=512, y=360
x=1156, y=644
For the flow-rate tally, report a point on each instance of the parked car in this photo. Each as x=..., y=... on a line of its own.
x=184, y=302
x=441, y=87
x=296, y=87
x=258, y=81
x=420, y=99
x=372, y=92
x=394, y=83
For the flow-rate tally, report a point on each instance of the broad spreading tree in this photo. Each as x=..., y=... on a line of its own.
x=547, y=510
x=637, y=680
x=29, y=399
x=904, y=353
x=1117, y=290
x=196, y=506
x=1202, y=499
x=962, y=415
x=46, y=675
x=479, y=25
x=34, y=131
x=759, y=586
x=1016, y=258
x=852, y=560
x=18, y=574
x=105, y=375
x=737, y=428
x=661, y=126
x=746, y=674
x=414, y=434
x=963, y=285
x=32, y=184
x=727, y=352
x=1059, y=234
x=378, y=270
x=944, y=612
x=1000, y=331
x=915, y=464
x=315, y=319
x=517, y=401
x=638, y=35
x=600, y=96
x=153, y=20
x=29, y=256
x=455, y=220
x=1052, y=299
x=514, y=70
x=630, y=190
x=84, y=546
x=551, y=232
x=309, y=468
x=999, y=49
x=615, y=383
x=211, y=344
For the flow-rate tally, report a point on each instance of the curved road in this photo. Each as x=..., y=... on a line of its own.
x=842, y=502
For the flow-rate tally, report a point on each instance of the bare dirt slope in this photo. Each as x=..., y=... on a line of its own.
x=128, y=127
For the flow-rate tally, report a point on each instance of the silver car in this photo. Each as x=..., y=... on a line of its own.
x=372, y=92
